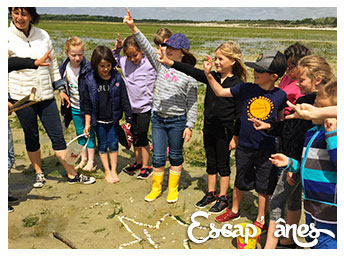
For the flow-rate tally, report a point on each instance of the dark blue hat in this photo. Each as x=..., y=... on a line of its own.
x=178, y=41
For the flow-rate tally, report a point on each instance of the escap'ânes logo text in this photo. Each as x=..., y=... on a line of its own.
x=282, y=230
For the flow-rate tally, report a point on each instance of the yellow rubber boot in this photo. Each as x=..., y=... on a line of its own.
x=157, y=179
x=173, y=181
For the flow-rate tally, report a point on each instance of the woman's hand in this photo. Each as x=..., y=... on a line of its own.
x=119, y=42
x=43, y=61
x=162, y=56
x=258, y=124
x=207, y=65
x=279, y=160
x=187, y=134
x=64, y=99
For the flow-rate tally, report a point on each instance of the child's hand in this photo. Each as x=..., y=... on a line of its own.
x=258, y=124
x=302, y=111
x=43, y=61
x=162, y=56
x=187, y=134
x=87, y=130
x=330, y=124
x=279, y=160
x=233, y=143
x=119, y=42
x=128, y=19
x=64, y=99
x=207, y=65
x=291, y=178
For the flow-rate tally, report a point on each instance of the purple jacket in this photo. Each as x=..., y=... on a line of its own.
x=139, y=80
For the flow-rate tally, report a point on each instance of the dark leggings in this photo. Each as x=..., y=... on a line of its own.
x=216, y=143
x=50, y=118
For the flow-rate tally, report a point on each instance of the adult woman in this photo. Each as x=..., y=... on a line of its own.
x=27, y=41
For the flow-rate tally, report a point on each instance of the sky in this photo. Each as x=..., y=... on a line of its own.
x=200, y=13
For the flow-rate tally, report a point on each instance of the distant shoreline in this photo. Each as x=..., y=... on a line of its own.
x=206, y=24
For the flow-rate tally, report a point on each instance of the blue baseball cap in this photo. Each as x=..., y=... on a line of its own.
x=178, y=41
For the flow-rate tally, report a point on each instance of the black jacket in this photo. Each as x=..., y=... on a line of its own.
x=218, y=111
x=292, y=131
x=17, y=63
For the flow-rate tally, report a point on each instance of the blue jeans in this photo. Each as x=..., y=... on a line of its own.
x=324, y=240
x=167, y=132
x=107, y=137
x=79, y=128
x=10, y=149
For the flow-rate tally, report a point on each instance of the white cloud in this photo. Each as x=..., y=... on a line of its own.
x=201, y=13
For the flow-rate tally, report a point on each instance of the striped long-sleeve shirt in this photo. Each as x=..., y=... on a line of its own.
x=318, y=168
x=175, y=92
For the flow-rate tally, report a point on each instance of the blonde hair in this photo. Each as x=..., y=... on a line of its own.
x=161, y=35
x=316, y=66
x=74, y=41
x=232, y=50
x=329, y=90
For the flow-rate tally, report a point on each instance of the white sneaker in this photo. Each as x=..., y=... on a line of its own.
x=39, y=181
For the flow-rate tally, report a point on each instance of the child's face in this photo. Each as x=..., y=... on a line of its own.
x=134, y=55
x=263, y=78
x=304, y=81
x=291, y=69
x=222, y=63
x=174, y=54
x=104, y=68
x=320, y=102
x=75, y=55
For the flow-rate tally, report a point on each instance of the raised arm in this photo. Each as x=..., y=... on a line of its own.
x=117, y=51
x=142, y=41
x=186, y=68
x=309, y=112
x=128, y=19
x=215, y=86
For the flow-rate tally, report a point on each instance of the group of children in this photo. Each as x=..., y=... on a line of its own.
x=161, y=89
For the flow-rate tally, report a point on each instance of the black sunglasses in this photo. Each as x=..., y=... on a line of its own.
x=260, y=71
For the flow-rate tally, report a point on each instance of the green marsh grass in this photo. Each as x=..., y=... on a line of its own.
x=204, y=40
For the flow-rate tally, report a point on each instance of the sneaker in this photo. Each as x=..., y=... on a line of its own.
x=220, y=205
x=132, y=168
x=82, y=179
x=10, y=208
x=145, y=173
x=39, y=181
x=228, y=215
x=208, y=198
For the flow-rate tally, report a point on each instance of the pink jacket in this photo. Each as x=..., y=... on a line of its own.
x=291, y=89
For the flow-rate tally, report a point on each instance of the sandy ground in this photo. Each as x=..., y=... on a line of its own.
x=107, y=216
